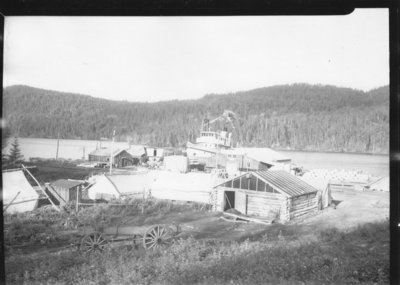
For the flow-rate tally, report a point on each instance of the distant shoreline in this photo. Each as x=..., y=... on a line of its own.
x=333, y=152
x=274, y=148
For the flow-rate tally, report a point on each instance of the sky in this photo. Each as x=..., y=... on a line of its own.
x=150, y=59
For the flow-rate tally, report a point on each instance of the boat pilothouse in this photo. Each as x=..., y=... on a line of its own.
x=210, y=142
x=214, y=139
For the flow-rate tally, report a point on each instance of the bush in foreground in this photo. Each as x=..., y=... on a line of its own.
x=339, y=258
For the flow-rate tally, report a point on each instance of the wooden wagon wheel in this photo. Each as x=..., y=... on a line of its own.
x=156, y=236
x=93, y=242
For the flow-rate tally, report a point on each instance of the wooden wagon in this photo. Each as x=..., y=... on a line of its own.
x=148, y=237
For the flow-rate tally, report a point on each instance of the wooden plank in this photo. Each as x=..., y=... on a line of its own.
x=24, y=201
x=9, y=204
x=261, y=194
x=300, y=206
x=56, y=195
x=260, y=200
x=54, y=206
x=265, y=200
x=260, y=207
x=313, y=201
x=255, y=220
x=263, y=205
x=233, y=220
x=305, y=209
x=302, y=214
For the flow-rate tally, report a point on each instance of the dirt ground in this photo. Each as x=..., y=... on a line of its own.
x=352, y=208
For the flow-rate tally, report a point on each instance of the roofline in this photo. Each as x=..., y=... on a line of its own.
x=231, y=179
x=118, y=151
x=316, y=190
x=275, y=187
x=259, y=177
x=255, y=173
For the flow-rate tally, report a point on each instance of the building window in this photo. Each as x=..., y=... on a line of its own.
x=268, y=188
x=253, y=183
x=261, y=185
x=244, y=182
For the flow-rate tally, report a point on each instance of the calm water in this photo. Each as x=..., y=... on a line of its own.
x=377, y=165
x=77, y=149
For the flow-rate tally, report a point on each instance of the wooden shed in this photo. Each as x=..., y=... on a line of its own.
x=270, y=194
x=66, y=190
x=121, y=158
x=138, y=153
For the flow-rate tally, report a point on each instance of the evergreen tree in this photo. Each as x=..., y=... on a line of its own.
x=15, y=157
x=5, y=135
x=297, y=116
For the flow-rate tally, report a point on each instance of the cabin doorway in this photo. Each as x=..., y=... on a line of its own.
x=229, y=200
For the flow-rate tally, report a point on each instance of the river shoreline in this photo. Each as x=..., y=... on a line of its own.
x=375, y=164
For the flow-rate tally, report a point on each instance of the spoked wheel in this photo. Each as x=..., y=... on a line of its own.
x=93, y=242
x=157, y=236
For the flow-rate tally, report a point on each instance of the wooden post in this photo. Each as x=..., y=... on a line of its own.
x=111, y=152
x=54, y=206
x=58, y=143
x=144, y=195
x=77, y=199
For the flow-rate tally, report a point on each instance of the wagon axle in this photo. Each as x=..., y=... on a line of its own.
x=153, y=237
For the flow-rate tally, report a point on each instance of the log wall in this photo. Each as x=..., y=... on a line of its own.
x=266, y=204
x=255, y=203
x=302, y=205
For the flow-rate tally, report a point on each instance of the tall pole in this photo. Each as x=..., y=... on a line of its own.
x=216, y=158
x=111, y=153
x=58, y=144
x=77, y=199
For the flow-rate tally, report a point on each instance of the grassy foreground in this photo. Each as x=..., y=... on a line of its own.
x=357, y=256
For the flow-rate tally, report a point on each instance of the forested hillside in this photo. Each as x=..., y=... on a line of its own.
x=298, y=116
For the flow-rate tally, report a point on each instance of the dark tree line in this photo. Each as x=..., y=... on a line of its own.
x=298, y=116
x=14, y=158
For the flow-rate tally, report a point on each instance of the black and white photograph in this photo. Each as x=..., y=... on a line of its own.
x=196, y=149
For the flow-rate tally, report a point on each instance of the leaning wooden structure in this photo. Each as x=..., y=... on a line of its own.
x=270, y=194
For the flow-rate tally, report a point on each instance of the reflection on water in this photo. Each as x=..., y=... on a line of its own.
x=77, y=149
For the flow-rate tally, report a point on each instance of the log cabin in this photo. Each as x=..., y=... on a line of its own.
x=269, y=194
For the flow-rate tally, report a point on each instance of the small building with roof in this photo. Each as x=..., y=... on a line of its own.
x=121, y=157
x=268, y=194
x=66, y=190
x=154, y=153
x=138, y=153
